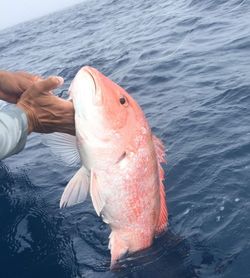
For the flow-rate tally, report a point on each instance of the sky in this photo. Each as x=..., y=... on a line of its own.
x=15, y=11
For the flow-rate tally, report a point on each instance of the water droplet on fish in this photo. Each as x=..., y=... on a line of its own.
x=236, y=199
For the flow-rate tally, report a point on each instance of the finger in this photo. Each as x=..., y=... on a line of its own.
x=33, y=78
x=68, y=111
x=25, y=80
x=66, y=104
x=48, y=84
x=37, y=78
x=28, y=76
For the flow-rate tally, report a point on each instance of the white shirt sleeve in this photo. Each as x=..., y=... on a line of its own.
x=13, y=130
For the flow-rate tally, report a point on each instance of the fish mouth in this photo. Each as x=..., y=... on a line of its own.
x=95, y=90
x=86, y=70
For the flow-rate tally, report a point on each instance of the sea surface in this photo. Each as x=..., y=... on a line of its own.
x=187, y=63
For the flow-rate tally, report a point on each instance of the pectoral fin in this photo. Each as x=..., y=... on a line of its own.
x=64, y=146
x=76, y=190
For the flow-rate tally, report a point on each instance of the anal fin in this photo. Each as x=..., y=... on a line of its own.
x=96, y=195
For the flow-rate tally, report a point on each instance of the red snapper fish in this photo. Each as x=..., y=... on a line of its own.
x=120, y=162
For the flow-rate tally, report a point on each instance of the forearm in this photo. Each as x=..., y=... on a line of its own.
x=2, y=80
x=3, y=76
x=13, y=130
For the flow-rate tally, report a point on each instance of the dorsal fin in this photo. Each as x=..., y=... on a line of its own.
x=160, y=149
x=163, y=216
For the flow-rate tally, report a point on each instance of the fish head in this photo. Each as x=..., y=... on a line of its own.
x=107, y=117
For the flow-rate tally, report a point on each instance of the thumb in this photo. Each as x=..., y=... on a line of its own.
x=48, y=84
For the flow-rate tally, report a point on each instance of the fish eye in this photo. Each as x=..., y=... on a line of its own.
x=122, y=100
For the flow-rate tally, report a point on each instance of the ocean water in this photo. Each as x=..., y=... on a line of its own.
x=187, y=64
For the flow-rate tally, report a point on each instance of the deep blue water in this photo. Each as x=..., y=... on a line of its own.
x=187, y=64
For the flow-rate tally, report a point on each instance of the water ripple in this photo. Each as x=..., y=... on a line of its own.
x=186, y=64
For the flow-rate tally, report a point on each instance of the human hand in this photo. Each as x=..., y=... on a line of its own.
x=46, y=112
x=13, y=84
